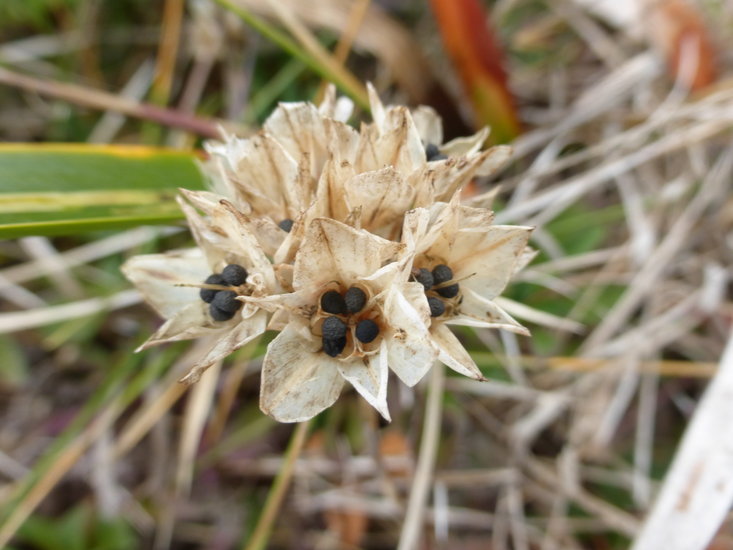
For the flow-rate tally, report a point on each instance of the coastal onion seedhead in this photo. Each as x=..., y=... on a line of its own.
x=352, y=244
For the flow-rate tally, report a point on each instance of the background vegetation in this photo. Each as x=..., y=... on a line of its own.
x=623, y=162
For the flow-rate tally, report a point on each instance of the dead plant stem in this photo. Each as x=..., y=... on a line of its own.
x=410, y=536
x=262, y=531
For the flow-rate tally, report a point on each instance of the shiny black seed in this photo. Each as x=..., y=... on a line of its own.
x=366, y=330
x=450, y=291
x=424, y=277
x=225, y=300
x=234, y=275
x=219, y=314
x=433, y=153
x=207, y=294
x=286, y=225
x=333, y=302
x=333, y=328
x=355, y=299
x=437, y=307
x=441, y=274
x=334, y=346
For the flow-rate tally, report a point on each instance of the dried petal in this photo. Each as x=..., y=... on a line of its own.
x=369, y=376
x=298, y=381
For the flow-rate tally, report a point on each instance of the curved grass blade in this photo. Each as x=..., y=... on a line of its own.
x=60, y=189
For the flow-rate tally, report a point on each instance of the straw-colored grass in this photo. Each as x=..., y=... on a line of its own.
x=598, y=432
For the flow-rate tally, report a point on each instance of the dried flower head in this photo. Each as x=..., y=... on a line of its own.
x=351, y=243
x=307, y=163
x=198, y=291
x=470, y=262
x=352, y=316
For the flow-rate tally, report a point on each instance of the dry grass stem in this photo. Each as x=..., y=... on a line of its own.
x=413, y=524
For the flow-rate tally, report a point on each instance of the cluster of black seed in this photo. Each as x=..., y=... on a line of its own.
x=433, y=153
x=334, y=328
x=223, y=303
x=432, y=279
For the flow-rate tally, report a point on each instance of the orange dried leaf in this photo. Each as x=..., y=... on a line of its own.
x=397, y=453
x=478, y=58
x=678, y=31
x=348, y=525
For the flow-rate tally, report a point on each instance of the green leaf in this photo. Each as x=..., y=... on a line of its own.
x=14, y=369
x=55, y=189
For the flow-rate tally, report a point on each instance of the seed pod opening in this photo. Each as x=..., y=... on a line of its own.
x=437, y=307
x=432, y=152
x=424, y=277
x=234, y=275
x=334, y=346
x=207, y=294
x=333, y=328
x=355, y=299
x=450, y=291
x=219, y=314
x=286, y=225
x=366, y=331
x=333, y=302
x=441, y=274
x=225, y=300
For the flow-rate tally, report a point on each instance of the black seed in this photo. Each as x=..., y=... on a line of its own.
x=433, y=153
x=333, y=328
x=424, y=277
x=225, y=300
x=207, y=294
x=437, y=307
x=332, y=302
x=334, y=346
x=441, y=274
x=219, y=314
x=286, y=225
x=366, y=330
x=450, y=291
x=234, y=275
x=355, y=299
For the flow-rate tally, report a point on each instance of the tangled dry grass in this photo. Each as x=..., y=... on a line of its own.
x=595, y=433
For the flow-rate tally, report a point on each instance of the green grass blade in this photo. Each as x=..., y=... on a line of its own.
x=323, y=67
x=71, y=188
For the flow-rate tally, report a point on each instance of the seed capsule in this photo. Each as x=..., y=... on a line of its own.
x=333, y=328
x=286, y=225
x=207, y=294
x=225, y=300
x=450, y=291
x=219, y=314
x=441, y=274
x=366, y=331
x=355, y=299
x=234, y=275
x=424, y=277
x=333, y=302
x=433, y=153
x=437, y=307
x=334, y=346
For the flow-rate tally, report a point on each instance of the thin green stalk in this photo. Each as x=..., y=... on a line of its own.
x=294, y=49
x=262, y=531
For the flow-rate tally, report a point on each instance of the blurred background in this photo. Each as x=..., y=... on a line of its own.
x=619, y=113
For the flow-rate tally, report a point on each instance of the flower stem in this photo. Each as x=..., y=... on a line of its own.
x=262, y=531
x=322, y=62
x=410, y=536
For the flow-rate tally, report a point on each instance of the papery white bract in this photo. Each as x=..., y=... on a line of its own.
x=343, y=233
x=482, y=258
x=165, y=282
x=335, y=258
